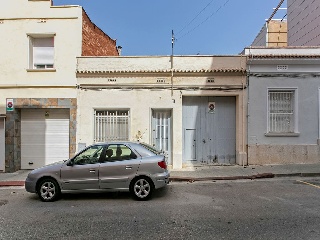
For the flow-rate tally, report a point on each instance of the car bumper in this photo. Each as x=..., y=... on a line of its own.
x=161, y=180
x=30, y=185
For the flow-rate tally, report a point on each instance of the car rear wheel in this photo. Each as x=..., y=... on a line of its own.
x=141, y=188
x=48, y=190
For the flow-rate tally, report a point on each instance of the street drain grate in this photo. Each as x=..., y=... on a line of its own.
x=3, y=202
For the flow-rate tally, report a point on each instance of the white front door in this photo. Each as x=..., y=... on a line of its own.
x=161, y=131
x=44, y=137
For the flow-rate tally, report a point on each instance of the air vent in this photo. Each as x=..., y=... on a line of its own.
x=282, y=67
x=161, y=80
x=210, y=80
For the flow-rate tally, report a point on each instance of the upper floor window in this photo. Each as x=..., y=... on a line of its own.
x=282, y=113
x=41, y=52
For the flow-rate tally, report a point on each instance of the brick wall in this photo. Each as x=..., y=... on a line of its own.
x=94, y=41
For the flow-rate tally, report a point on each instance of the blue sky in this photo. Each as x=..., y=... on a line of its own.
x=204, y=27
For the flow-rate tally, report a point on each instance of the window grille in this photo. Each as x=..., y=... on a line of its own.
x=281, y=111
x=111, y=125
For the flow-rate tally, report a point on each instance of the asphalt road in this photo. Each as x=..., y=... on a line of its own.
x=250, y=209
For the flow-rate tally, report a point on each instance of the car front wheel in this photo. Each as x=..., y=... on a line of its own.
x=141, y=188
x=48, y=190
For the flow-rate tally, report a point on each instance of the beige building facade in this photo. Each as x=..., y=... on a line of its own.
x=38, y=95
x=191, y=107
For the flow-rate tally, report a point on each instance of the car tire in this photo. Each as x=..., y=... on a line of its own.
x=141, y=188
x=48, y=190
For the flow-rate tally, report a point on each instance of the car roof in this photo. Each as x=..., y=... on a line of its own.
x=116, y=142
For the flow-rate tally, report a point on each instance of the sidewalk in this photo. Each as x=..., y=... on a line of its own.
x=234, y=172
x=206, y=173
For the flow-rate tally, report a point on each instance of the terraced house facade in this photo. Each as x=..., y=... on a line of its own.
x=191, y=107
x=38, y=95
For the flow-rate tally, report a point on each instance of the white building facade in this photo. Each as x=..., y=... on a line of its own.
x=191, y=107
x=38, y=95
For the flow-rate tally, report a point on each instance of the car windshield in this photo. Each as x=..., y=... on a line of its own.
x=150, y=148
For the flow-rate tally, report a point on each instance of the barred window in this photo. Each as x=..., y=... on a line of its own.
x=281, y=111
x=111, y=125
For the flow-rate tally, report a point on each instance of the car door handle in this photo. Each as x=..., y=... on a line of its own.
x=92, y=170
x=128, y=167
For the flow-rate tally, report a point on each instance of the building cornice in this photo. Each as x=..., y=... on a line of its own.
x=82, y=73
x=34, y=86
x=284, y=56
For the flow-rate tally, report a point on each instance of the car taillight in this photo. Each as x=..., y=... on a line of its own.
x=163, y=164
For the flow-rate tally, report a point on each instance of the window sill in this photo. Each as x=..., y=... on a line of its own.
x=282, y=134
x=42, y=70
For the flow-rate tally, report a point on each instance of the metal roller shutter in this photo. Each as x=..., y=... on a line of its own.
x=44, y=137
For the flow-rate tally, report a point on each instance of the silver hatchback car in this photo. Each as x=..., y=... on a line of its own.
x=118, y=166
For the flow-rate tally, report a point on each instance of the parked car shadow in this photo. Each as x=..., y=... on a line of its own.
x=159, y=193
x=78, y=196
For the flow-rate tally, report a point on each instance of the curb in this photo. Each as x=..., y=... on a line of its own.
x=297, y=175
x=257, y=176
x=11, y=183
x=192, y=179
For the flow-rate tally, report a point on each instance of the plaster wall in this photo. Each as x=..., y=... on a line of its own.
x=20, y=18
x=150, y=63
x=307, y=94
x=300, y=148
x=140, y=104
x=132, y=83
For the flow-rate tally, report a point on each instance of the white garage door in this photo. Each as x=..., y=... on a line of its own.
x=44, y=137
x=2, y=147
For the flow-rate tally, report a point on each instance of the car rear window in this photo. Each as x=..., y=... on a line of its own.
x=150, y=148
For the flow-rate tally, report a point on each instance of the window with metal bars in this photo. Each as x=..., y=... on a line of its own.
x=281, y=111
x=111, y=125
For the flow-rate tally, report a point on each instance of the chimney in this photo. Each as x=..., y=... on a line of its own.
x=119, y=48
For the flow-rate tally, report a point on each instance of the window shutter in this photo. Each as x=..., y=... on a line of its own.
x=43, y=51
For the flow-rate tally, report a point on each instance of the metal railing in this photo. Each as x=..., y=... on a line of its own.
x=111, y=125
x=281, y=111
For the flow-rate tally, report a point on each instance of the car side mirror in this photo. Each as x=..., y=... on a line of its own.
x=133, y=155
x=70, y=163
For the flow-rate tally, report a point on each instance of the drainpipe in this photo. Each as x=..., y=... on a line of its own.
x=243, y=119
x=248, y=103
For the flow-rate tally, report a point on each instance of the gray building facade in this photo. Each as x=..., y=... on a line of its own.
x=303, y=22
x=283, y=105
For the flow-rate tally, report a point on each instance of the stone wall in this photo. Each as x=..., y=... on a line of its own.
x=283, y=154
x=13, y=126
